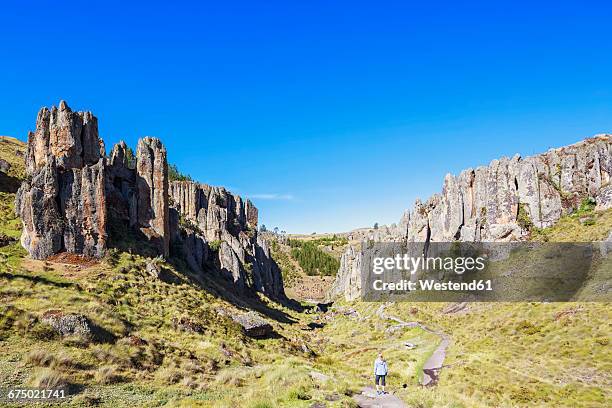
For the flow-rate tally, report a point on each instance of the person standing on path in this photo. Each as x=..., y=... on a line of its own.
x=380, y=373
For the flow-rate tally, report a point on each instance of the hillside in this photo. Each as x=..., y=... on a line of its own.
x=12, y=171
x=135, y=329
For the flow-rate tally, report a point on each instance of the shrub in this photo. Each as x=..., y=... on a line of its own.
x=107, y=375
x=214, y=245
x=262, y=404
x=40, y=358
x=523, y=219
x=299, y=393
x=48, y=378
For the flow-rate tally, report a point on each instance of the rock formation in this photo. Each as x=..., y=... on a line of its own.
x=221, y=228
x=138, y=190
x=500, y=202
x=77, y=200
x=62, y=203
x=493, y=203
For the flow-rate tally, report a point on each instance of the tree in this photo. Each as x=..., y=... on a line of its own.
x=276, y=230
x=263, y=228
x=175, y=175
x=130, y=158
x=375, y=225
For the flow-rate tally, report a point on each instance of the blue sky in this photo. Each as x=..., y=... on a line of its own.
x=330, y=115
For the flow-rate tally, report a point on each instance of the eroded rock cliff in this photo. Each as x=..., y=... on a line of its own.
x=62, y=203
x=499, y=202
x=77, y=200
x=221, y=228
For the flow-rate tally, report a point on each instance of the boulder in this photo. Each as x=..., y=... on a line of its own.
x=4, y=166
x=70, y=324
x=6, y=240
x=186, y=324
x=253, y=325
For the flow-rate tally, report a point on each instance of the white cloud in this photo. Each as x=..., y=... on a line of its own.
x=271, y=196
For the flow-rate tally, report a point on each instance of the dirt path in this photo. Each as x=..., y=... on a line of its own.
x=433, y=365
x=369, y=399
x=431, y=369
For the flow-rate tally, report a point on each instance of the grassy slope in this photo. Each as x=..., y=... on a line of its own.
x=8, y=147
x=503, y=354
x=218, y=367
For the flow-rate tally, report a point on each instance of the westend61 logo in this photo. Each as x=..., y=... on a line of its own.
x=516, y=271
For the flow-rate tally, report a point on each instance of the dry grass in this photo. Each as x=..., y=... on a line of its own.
x=48, y=378
x=107, y=375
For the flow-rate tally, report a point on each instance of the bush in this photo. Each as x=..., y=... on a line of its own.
x=299, y=393
x=107, y=375
x=523, y=219
x=262, y=404
x=40, y=358
x=48, y=378
x=214, y=245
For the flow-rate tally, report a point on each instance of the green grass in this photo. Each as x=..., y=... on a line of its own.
x=8, y=148
x=584, y=225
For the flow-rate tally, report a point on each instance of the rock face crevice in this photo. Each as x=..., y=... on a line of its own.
x=495, y=202
x=74, y=196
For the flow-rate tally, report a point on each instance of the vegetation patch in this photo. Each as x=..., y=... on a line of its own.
x=312, y=259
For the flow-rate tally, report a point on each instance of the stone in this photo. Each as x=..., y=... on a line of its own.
x=320, y=377
x=6, y=240
x=494, y=203
x=63, y=201
x=152, y=184
x=186, y=324
x=71, y=324
x=4, y=166
x=603, y=198
x=253, y=325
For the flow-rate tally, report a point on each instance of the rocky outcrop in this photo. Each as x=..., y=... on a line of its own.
x=62, y=203
x=152, y=184
x=348, y=279
x=499, y=202
x=604, y=199
x=220, y=229
x=75, y=199
x=138, y=191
